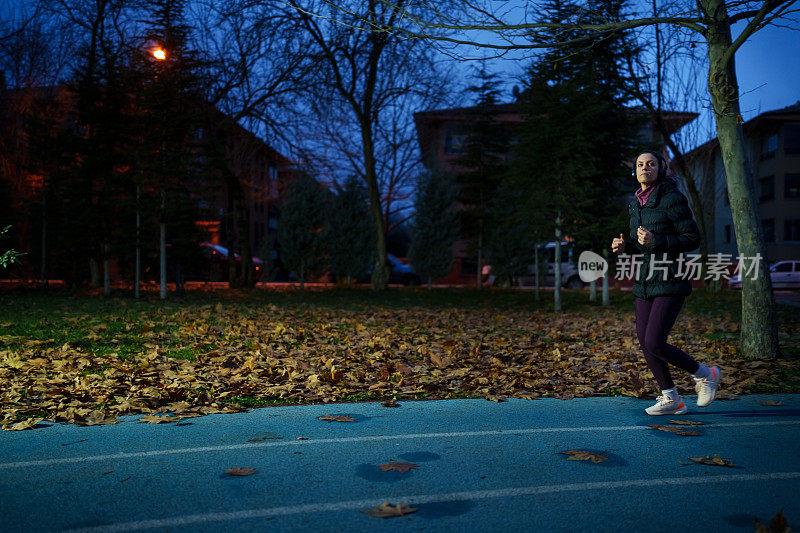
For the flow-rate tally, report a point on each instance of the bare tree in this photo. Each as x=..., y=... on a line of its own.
x=258, y=65
x=366, y=83
x=501, y=26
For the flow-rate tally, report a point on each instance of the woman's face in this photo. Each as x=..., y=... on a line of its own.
x=647, y=169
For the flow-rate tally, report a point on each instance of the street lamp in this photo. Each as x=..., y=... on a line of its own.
x=161, y=55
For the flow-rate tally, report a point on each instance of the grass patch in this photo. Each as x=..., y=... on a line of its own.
x=181, y=353
x=250, y=402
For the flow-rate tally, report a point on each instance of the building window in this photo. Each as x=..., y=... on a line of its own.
x=791, y=139
x=769, y=229
x=454, y=143
x=727, y=233
x=791, y=230
x=791, y=186
x=769, y=144
x=766, y=188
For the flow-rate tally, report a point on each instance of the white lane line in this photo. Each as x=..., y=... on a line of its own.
x=371, y=438
x=179, y=521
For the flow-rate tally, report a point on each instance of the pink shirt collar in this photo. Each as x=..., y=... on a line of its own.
x=644, y=194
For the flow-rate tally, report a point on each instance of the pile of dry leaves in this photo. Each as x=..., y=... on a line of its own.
x=320, y=355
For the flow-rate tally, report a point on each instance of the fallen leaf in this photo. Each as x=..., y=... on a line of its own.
x=399, y=467
x=25, y=424
x=240, y=471
x=711, y=461
x=387, y=510
x=778, y=524
x=671, y=429
x=340, y=418
x=159, y=419
x=96, y=418
x=686, y=422
x=770, y=403
x=583, y=455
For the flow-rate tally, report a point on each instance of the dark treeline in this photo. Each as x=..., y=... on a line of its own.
x=111, y=155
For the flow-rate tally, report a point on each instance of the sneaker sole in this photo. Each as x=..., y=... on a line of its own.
x=682, y=410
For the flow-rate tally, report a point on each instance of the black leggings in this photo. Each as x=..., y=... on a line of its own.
x=654, y=320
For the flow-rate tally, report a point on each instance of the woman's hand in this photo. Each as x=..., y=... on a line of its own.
x=618, y=244
x=645, y=237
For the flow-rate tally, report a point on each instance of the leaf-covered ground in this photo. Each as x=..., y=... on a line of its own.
x=87, y=360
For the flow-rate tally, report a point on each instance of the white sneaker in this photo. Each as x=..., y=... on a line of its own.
x=707, y=387
x=667, y=406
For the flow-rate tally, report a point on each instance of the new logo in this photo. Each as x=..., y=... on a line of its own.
x=591, y=266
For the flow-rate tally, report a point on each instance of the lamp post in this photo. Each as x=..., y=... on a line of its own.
x=161, y=55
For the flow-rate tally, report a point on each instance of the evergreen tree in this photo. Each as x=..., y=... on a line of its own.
x=434, y=227
x=510, y=248
x=171, y=89
x=482, y=165
x=301, y=225
x=349, y=236
x=576, y=136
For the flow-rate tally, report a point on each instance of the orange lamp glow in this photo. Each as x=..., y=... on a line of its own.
x=160, y=53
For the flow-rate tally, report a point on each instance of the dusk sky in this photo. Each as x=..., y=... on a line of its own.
x=767, y=68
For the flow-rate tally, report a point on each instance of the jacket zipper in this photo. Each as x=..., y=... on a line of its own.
x=644, y=278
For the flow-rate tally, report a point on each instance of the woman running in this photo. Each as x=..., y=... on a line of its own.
x=661, y=228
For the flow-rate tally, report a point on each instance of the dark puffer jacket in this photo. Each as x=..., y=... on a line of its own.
x=667, y=215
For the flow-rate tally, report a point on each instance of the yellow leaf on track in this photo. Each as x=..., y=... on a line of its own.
x=583, y=455
x=387, y=510
x=398, y=467
x=241, y=471
x=712, y=461
x=159, y=419
x=340, y=418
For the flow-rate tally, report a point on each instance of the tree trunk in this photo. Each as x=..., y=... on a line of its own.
x=536, y=272
x=179, y=288
x=106, y=271
x=44, y=243
x=232, y=185
x=381, y=272
x=759, y=333
x=557, y=267
x=94, y=272
x=606, y=295
x=480, y=254
x=138, y=248
x=162, y=249
x=302, y=274
x=246, y=278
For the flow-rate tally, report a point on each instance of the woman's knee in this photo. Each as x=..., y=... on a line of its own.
x=654, y=346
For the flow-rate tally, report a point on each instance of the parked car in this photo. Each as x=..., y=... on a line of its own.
x=401, y=273
x=569, y=271
x=215, y=267
x=784, y=275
